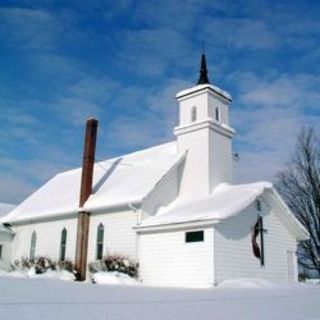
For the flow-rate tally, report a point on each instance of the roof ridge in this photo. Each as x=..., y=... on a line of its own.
x=117, y=157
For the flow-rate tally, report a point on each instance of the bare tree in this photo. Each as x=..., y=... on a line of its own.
x=299, y=184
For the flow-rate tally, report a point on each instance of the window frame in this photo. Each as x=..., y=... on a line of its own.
x=194, y=114
x=33, y=245
x=259, y=205
x=194, y=236
x=217, y=114
x=100, y=241
x=63, y=244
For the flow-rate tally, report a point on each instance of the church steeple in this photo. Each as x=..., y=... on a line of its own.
x=203, y=79
x=205, y=134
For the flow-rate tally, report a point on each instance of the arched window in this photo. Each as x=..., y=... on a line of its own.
x=100, y=238
x=63, y=244
x=258, y=204
x=217, y=111
x=193, y=114
x=33, y=243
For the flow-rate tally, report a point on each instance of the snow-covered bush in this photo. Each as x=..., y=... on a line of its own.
x=115, y=262
x=41, y=265
x=66, y=265
x=302, y=277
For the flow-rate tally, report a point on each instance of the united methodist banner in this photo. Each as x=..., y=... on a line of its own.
x=255, y=230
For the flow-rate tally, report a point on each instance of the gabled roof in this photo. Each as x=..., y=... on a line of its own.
x=225, y=201
x=119, y=181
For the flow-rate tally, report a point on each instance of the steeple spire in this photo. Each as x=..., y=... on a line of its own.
x=203, y=79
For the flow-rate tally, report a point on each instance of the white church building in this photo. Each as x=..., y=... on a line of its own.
x=173, y=208
x=6, y=236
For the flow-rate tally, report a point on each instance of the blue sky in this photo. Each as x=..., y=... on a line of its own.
x=123, y=62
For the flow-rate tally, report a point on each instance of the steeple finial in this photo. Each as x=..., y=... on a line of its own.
x=203, y=79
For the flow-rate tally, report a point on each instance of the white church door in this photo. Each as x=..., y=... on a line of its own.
x=290, y=264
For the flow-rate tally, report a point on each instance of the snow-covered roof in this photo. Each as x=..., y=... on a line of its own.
x=200, y=87
x=119, y=181
x=225, y=201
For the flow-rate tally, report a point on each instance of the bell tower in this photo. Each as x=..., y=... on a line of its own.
x=204, y=133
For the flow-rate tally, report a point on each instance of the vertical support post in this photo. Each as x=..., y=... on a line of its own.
x=85, y=191
x=82, y=245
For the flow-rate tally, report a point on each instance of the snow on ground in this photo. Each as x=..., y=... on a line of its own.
x=248, y=283
x=103, y=278
x=113, y=278
x=39, y=299
x=31, y=273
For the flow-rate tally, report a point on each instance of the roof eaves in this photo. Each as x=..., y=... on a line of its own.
x=103, y=208
x=175, y=225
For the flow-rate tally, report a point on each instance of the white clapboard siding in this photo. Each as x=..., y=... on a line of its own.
x=48, y=238
x=6, y=243
x=220, y=159
x=195, y=178
x=119, y=236
x=166, y=260
x=233, y=249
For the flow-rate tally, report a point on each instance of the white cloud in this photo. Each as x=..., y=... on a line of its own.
x=88, y=97
x=76, y=111
x=269, y=116
x=29, y=173
x=134, y=133
x=99, y=89
x=153, y=125
x=14, y=188
x=286, y=91
x=239, y=33
x=152, y=52
x=28, y=28
x=178, y=15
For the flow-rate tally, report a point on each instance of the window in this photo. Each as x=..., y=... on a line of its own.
x=1, y=246
x=32, y=253
x=100, y=237
x=217, y=114
x=258, y=204
x=193, y=114
x=194, y=236
x=63, y=244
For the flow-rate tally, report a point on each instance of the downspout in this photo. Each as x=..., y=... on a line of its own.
x=138, y=213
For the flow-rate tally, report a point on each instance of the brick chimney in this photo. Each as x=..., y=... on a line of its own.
x=85, y=191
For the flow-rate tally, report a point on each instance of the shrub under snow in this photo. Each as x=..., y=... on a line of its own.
x=41, y=265
x=115, y=263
